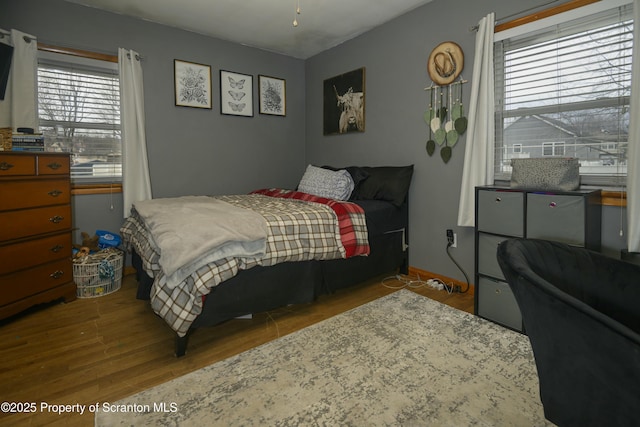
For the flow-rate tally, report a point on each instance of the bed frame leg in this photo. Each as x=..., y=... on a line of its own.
x=181, y=344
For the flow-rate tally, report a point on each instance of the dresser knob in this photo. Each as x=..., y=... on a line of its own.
x=4, y=166
x=56, y=219
x=54, y=193
x=54, y=165
x=57, y=248
x=57, y=274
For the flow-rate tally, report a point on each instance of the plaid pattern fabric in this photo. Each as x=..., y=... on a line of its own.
x=134, y=234
x=298, y=231
x=353, y=228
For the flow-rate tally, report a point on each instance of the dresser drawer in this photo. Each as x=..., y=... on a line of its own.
x=30, y=222
x=21, y=194
x=50, y=164
x=15, y=286
x=487, y=255
x=497, y=303
x=20, y=256
x=556, y=217
x=500, y=212
x=17, y=165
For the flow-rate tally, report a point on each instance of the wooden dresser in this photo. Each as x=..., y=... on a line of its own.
x=35, y=230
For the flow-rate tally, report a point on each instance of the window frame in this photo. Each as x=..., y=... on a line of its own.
x=569, y=11
x=556, y=147
x=89, y=185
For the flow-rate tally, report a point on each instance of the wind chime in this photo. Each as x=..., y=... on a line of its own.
x=445, y=115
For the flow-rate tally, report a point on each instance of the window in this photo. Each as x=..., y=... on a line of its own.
x=564, y=91
x=79, y=112
x=553, y=149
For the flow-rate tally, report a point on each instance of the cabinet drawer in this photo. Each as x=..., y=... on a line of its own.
x=50, y=164
x=497, y=303
x=487, y=255
x=34, y=193
x=500, y=212
x=556, y=217
x=30, y=222
x=16, y=286
x=20, y=256
x=17, y=165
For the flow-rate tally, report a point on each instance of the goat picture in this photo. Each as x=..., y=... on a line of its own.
x=344, y=101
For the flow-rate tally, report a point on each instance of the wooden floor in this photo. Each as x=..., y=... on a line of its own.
x=103, y=349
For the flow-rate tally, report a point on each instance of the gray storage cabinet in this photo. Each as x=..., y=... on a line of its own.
x=572, y=217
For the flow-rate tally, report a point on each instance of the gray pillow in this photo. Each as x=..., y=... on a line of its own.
x=321, y=182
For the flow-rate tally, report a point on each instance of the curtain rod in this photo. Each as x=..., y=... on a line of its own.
x=83, y=53
x=77, y=52
x=569, y=5
x=70, y=51
x=4, y=33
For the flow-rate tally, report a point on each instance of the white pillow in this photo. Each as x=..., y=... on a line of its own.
x=327, y=183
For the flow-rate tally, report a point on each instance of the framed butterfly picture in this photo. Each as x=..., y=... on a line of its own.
x=236, y=94
x=192, y=84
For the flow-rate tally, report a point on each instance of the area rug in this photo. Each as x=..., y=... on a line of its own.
x=401, y=360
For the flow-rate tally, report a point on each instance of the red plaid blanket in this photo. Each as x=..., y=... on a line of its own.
x=343, y=210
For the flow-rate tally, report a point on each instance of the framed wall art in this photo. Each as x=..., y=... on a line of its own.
x=192, y=84
x=344, y=102
x=236, y=94
x=273, y=99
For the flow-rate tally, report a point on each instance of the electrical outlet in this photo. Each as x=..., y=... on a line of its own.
x=452, y=240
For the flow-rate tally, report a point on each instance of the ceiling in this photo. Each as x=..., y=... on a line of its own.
x=267, y=24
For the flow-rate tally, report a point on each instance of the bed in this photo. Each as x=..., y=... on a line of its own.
x=340, y=227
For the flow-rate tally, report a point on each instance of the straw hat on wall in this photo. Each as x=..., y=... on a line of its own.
x=445, y=63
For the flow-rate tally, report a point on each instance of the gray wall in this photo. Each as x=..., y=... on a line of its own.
x=395, y=56
x=194, y=151
x=191, y=151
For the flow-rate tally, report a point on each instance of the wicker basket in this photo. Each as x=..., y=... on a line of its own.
x=98, y=274
x=6, y=139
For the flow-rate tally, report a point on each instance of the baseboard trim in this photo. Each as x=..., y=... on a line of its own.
x=424, y=274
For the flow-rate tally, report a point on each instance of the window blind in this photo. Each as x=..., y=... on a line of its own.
x=79, y=111
x=564, y=91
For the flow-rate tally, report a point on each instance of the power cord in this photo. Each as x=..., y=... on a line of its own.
x=416, y=283
x=404, y=282
x=433, y=283
x=456, y=288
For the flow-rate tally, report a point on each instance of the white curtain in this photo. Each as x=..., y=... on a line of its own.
x=19, y=107
x=5, y=104
x=136, y=184
x=479, y=150
x=633, y=154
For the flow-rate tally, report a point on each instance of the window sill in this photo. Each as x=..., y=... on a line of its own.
x=85, y=189
x=614, y=198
